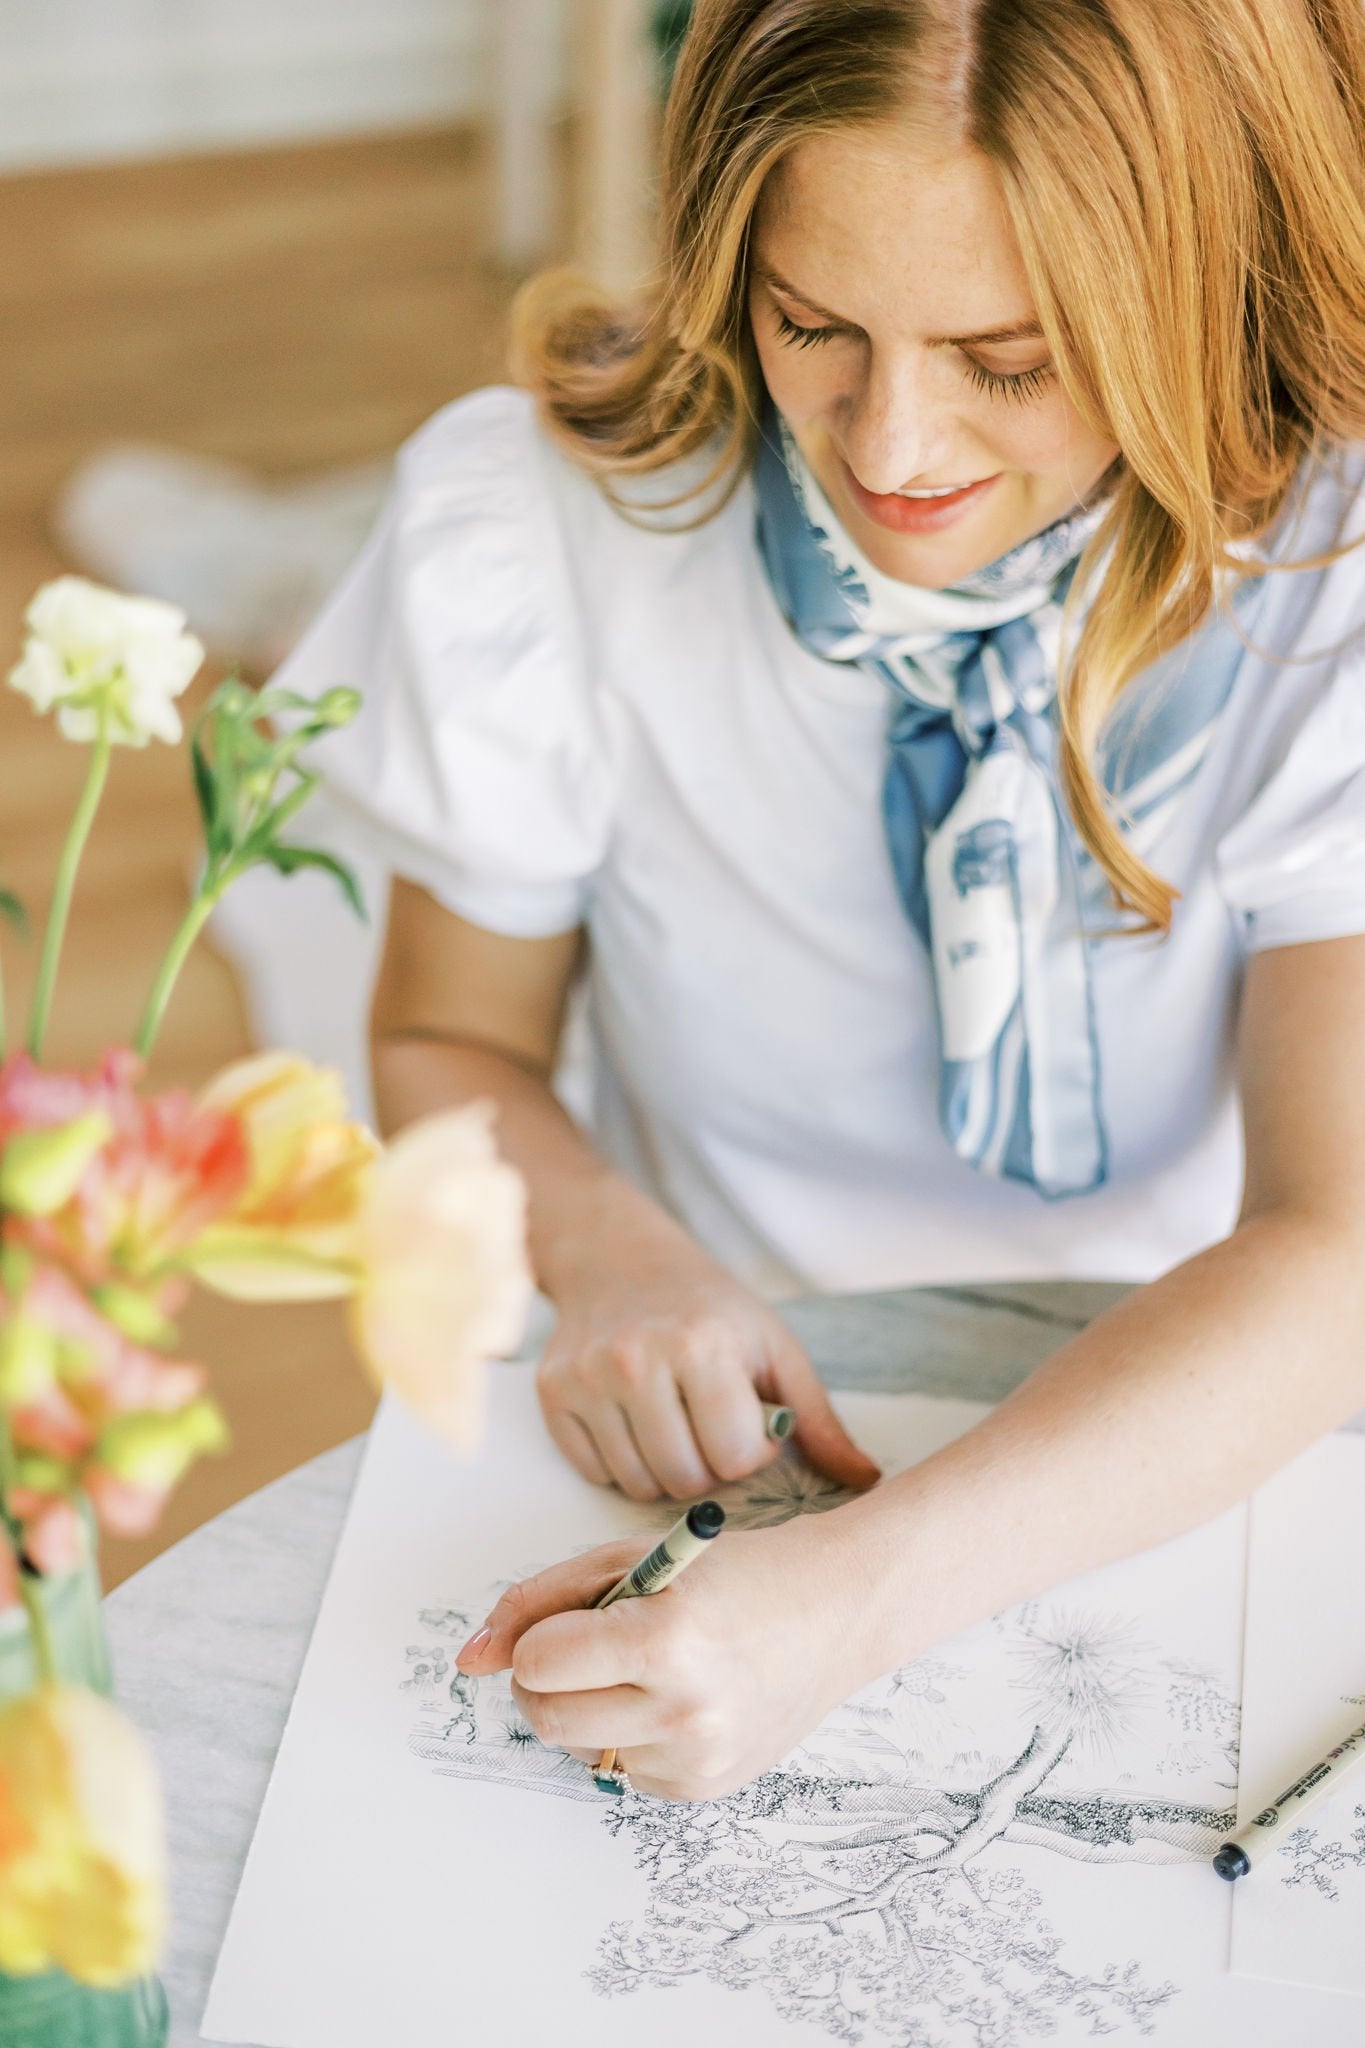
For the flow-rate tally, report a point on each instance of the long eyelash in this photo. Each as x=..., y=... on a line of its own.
x=1022, y=385
x=801, y=337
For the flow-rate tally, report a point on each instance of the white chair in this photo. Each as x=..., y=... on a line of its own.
x=603, y=48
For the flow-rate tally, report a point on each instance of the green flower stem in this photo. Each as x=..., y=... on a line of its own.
x=44, y=1656
x=193, y=922
x=6, y=1468
x=66, y=883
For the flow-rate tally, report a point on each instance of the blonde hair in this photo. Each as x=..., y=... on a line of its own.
x=1187, y=184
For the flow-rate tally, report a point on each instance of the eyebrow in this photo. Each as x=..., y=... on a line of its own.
x=992, y=337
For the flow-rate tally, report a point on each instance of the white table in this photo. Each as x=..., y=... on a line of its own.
x=208, y=1640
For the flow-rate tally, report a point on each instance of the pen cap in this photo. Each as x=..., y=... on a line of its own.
x=778, y=1421
x=706, y=1519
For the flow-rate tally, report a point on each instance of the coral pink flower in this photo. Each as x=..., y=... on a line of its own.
x=121, y=1508
x=32, y=1098
x=107, y=1393
x=168, y=1171
x=54, y=1539
x=54, y=1425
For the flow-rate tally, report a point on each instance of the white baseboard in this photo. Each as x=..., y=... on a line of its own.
x=108, y=97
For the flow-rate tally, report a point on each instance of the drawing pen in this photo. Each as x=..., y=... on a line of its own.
x=686, y=1540
x=1238, y=1856
x=778, y=1422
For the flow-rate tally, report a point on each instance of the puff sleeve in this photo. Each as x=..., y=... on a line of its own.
x=476, y=766
x=1292, y=868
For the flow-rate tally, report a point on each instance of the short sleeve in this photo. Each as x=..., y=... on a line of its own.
x=475, y=767
x=1292, y=868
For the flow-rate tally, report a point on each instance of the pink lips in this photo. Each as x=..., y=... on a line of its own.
x=915, y=515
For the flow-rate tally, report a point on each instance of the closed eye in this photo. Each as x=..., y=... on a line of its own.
x=802, y=337
x=1018, y=384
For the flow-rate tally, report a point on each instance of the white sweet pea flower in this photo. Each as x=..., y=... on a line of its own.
x=93, y=651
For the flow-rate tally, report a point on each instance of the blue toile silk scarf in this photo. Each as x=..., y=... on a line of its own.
x=990, y=870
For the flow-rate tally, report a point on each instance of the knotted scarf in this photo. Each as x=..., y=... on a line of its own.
x=989, y=867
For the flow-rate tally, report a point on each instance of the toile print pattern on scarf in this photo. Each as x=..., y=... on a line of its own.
x=988, y=866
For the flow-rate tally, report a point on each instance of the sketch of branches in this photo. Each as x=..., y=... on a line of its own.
x=1319, y=1864
x=912, y=1958
x=898, y=1936
x=870, y=1885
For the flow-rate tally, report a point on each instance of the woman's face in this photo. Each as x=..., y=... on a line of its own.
x=899, y=338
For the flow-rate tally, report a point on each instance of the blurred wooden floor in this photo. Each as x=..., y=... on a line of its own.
x=289, y=309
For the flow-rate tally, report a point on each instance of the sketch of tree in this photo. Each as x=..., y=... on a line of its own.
x=1319, y=1864
x=897, y=1934
x=882, y=1909
x=865, y=1886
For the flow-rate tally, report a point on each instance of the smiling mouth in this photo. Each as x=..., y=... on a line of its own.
x=926, y=509
x=941, y=491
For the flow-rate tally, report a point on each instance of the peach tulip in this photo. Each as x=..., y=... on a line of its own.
x=167, y=1169
x=291, y=1234
x=445, y=1282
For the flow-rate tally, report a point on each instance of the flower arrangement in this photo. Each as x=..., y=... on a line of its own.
x=114, y=1202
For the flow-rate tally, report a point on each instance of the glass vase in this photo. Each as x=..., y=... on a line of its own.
x=52, y=2010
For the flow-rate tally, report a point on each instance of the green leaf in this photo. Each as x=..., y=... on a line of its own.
x=290, y=804
x=287, y=860
x=264, y=833
x=248, y=761
x=206, y=792
x=13, y=912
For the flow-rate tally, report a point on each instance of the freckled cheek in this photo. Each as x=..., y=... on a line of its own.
x=1033, y=438
x=803, y=387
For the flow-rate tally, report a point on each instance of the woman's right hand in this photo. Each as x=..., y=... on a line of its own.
x=659, y=1364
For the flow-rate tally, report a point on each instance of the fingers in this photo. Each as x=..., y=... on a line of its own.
x=819, y=1435
x=727, y=1416
x=562, y=1589
x=621, y=1418
x=573, y=1439
x=671, y=1405
x=661, y=1425
x=615, y=1444
x=590, y=1721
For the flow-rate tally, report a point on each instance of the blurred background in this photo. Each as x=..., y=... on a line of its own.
x=246, y=246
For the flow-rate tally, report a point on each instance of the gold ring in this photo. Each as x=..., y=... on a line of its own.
x=609, y=1776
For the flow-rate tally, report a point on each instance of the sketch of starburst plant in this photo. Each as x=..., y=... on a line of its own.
x=1086, y=1678
x=1317, y=1865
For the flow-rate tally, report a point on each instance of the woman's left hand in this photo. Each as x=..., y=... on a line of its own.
x=702, y=1686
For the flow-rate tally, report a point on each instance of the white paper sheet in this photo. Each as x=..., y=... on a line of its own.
x=975, y=1851
x=1300, y=1914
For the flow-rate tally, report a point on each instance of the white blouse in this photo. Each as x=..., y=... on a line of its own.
x=572, y=718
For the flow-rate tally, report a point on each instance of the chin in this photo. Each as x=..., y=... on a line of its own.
x=931, y=561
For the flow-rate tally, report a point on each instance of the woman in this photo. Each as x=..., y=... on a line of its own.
x=921, y=657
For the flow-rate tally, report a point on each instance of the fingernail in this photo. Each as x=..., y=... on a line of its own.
x=474, y=1645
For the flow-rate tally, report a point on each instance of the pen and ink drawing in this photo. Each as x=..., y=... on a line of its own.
x=888, y=1883
x=1310, y=1864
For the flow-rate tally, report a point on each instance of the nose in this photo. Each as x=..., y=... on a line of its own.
x=894, y=428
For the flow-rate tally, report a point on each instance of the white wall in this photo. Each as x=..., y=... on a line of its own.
x=82, y=80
